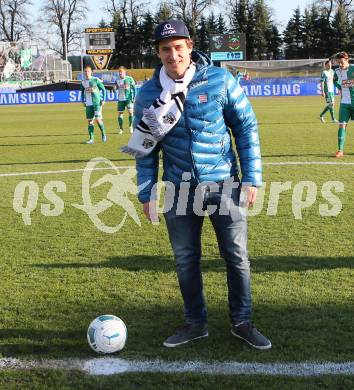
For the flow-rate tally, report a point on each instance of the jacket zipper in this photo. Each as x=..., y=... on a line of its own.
x=190, y=145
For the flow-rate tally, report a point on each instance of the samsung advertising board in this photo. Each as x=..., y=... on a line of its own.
x=253, y=88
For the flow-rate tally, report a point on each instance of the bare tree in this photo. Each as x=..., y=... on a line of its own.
x=63, y=18
x=14, y=23
x=345, y=3
x=327, y=6
x=128, y=9
x=190, y=11
x=330, y=6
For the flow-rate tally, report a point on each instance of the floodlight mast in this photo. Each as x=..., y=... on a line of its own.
x=65, y=47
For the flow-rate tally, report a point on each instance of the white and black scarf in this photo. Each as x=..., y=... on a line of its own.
x=161, y=116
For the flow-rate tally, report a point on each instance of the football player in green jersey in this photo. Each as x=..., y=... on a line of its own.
x=91, y=88
x=327, y=88
x=126, y=96
x=344, y=80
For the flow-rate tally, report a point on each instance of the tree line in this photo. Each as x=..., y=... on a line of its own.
x=325, y=27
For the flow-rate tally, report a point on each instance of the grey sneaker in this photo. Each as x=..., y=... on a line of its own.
x=186, y=333
x=322, y=119
x=246, y=331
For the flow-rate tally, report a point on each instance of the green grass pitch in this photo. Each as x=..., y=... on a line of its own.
x=60, y=272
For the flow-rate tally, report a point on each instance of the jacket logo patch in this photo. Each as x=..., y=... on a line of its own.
x=198, y=84
x=203, y=98
x=169, y=118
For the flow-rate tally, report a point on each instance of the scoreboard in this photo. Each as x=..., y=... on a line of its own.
x=99, y=40
x=228, y=47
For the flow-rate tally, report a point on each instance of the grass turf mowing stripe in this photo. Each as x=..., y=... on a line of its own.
x=111, y=366
x=129, y=166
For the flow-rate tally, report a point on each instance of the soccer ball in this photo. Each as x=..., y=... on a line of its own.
x=107, y=334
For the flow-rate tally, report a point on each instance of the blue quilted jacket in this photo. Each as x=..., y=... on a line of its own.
x=200, y=142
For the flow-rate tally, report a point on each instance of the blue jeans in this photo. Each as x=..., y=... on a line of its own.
x=231, y=232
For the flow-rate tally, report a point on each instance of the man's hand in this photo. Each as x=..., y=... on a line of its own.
x=150, y=212
x=102, y=102
x=249, y=195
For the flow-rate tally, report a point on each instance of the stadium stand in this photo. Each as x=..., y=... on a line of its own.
x=23, y=64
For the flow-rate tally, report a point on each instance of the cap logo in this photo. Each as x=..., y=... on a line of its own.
x=168, y=30
x=171, y=28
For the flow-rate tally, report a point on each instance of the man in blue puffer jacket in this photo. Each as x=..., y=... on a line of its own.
x=200, y=164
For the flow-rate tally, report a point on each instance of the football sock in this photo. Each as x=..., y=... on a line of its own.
x=120, y=122
x=102, y=128
x=331, y=112
x=91, y=131
x=130, y=120
x=324, y=111
x=341, y=138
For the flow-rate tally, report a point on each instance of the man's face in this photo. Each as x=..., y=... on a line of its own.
x=175, y=55
x=122, y=73
x=343, y=63
x=88, y=73
x=328, y=66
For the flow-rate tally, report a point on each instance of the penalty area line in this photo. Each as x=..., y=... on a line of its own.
x=133, y=166
x=112, y=366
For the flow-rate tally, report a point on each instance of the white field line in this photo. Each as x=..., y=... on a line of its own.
x=60, y=171
x=308, y=163
x=129, y=166
x=111, y=366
